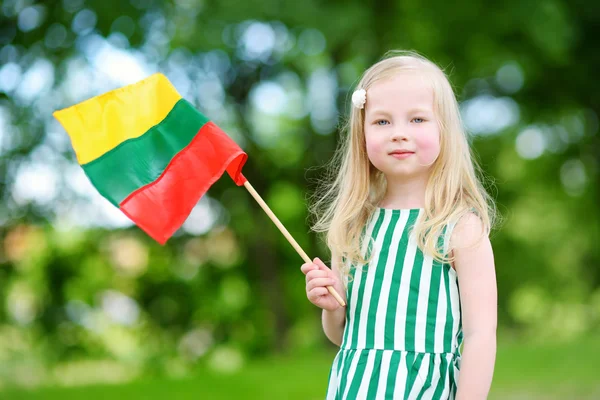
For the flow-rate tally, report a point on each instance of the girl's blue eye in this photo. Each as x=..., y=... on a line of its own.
x=420, y=120
x=381, y=122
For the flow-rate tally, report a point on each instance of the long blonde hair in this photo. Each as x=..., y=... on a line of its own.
x=353, y=188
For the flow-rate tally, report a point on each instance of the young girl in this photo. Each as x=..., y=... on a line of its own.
x=407, y=222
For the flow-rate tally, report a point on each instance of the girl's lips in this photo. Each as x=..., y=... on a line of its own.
x=402, y=155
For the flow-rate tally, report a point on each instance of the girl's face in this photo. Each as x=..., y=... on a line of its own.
x=401, y=131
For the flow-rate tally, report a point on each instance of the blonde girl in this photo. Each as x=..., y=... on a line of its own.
x=407, y=221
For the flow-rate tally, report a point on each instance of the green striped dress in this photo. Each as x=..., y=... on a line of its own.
x=403, y=326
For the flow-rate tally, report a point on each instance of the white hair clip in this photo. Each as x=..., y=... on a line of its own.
x=359, y=98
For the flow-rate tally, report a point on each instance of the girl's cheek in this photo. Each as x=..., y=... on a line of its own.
x=373, y=146
x=429, y=148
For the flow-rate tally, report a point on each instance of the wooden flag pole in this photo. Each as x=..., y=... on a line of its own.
x=289, y=237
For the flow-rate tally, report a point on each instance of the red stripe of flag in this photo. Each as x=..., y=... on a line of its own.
x=162, y=206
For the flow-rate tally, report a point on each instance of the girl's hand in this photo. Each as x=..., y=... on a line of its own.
x=318, y=277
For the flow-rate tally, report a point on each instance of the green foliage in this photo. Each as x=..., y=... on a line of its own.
x=522, y=371
x=276, y=75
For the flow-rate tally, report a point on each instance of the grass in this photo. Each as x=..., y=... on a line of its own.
x=550, y=371
x=522, y=372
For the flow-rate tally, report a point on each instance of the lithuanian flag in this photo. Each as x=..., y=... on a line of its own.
x=150, y=152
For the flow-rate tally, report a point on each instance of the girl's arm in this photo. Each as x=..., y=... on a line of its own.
x=333, y=324
x=334, y=321
x=318, y=277
x=474, y=264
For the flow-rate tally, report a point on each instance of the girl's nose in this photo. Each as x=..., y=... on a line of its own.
x=398, y=134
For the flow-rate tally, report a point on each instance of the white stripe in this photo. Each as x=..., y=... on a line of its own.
x=421, y=376
x=454, y=387
x=371, y=269
x=455, y=305
x=339, y=389
x=440, y=318
x=351, y=373
x=448, y=235
x=409, y=260
x=356, y=283
x=422, y=303
x=366, y=379
x=454, y=295
x=401, y=377
x=447, y=382
x=387, y=281
x=333, y=380
x=430, y=391
x=386, y=358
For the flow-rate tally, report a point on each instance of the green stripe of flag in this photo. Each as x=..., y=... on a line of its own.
x=140, y=161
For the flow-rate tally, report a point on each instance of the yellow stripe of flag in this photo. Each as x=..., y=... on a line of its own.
x=101, y=123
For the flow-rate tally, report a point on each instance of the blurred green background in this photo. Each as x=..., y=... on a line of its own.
x=93, y=308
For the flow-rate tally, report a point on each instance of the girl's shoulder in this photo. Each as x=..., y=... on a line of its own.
x=467, y=230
